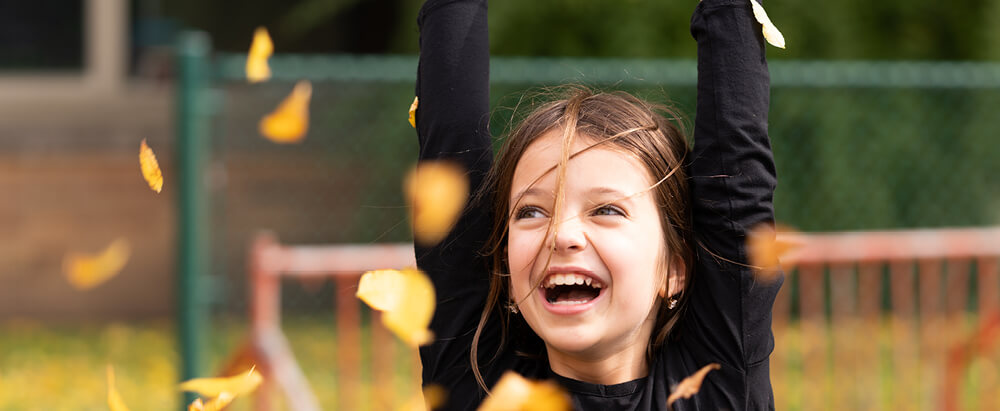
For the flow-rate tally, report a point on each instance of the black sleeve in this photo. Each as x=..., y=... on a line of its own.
x=732, y=184
x=452, y=123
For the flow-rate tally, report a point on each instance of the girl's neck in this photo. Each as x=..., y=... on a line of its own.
x=624, y=364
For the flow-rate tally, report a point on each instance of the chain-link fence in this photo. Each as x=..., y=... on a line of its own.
x=858, y=145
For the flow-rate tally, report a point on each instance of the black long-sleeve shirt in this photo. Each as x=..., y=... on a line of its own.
x=732, y=176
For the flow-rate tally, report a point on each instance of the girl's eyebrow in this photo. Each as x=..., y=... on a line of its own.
x=606, y=195
x=603, y=191
x=607, y=190
x=532, y=191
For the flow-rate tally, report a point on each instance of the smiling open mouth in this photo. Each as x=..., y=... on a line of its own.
x=567, y=289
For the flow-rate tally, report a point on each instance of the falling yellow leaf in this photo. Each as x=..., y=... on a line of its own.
x=215, y=404
x=437, y=191
x=406, y=299
x=767, y=248
x=239, y=384
x=289, y=122
x=150, y=168
x=515, y=393
x=690, y=385
x=115, y=402
x=432, y=397
x=260, y=50
x=87, y=271
x=413, y=112
x=771, y=33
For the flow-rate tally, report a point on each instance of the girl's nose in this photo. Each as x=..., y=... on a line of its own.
x=570, y=236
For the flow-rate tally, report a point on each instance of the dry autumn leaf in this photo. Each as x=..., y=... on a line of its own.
x=150, y=167
x=771, y=33
x=85, y=271
x=406, y=300
x=769, y=247
x=432, y=397
x=413, y=112
x=215, y=404
x=436, y=191
x=515, y=393
x=239, y=384
x=290, y=121
x=115, y=402
x=260, y=50
x=690, y=385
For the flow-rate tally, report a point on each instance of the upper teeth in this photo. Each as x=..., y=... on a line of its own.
x=569, y=279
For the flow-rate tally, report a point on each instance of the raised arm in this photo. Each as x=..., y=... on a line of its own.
x=452, y=123
x=732, y=183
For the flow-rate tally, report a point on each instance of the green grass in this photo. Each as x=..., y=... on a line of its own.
x=62, y=367
x=867, y=364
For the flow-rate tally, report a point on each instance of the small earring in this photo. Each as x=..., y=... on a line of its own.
x=512, y=307
x=672, y=303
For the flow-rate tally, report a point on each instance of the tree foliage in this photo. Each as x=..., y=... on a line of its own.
x=847, y=29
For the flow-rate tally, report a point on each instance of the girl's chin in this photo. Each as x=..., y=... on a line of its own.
x=570, y=346
x=571, y=339
x=568, y=328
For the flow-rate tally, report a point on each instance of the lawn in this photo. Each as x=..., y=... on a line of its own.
x=876, y=364
x=62, y=367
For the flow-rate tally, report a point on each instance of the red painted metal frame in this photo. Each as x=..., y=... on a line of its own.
x=924, y=252
x=840, y=253
x=269, y=262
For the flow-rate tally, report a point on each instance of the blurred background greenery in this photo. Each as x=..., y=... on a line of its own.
x=850, y=29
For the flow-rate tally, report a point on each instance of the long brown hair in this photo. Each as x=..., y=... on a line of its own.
x=651, y=133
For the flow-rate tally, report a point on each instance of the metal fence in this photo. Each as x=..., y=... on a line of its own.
x=858, y=145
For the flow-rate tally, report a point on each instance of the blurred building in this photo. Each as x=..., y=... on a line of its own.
x=82, y=82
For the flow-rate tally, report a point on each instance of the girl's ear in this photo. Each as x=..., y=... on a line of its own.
x=676, y=273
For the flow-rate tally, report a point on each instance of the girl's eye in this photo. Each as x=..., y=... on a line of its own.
x=528, y=212
x=608, y=210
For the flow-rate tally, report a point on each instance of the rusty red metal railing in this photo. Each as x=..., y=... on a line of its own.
x=910, y=284
x=843, y=282
x=271, y=261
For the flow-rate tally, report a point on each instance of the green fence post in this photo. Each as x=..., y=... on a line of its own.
x=192, y=153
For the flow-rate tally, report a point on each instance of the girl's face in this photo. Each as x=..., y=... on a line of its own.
x=598, y=297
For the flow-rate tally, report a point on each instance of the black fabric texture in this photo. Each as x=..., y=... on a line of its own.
x=732, y=176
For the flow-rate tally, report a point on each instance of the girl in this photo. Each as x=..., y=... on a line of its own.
x=615, y=259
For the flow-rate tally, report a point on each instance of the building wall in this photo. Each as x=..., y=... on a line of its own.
x=70, y=182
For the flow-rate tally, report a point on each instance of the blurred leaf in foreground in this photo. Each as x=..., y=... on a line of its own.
x=115, y=402
x=771, y=33
x=215, y=404
x=690, y=385
x=85, y=271
x=516, y=393
x=260, y=50
x=406, y=300
x=433, y=396
x=150, y=167
x=289, y=122
x=239, y=384
x=436, y=191
x=769, y=247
